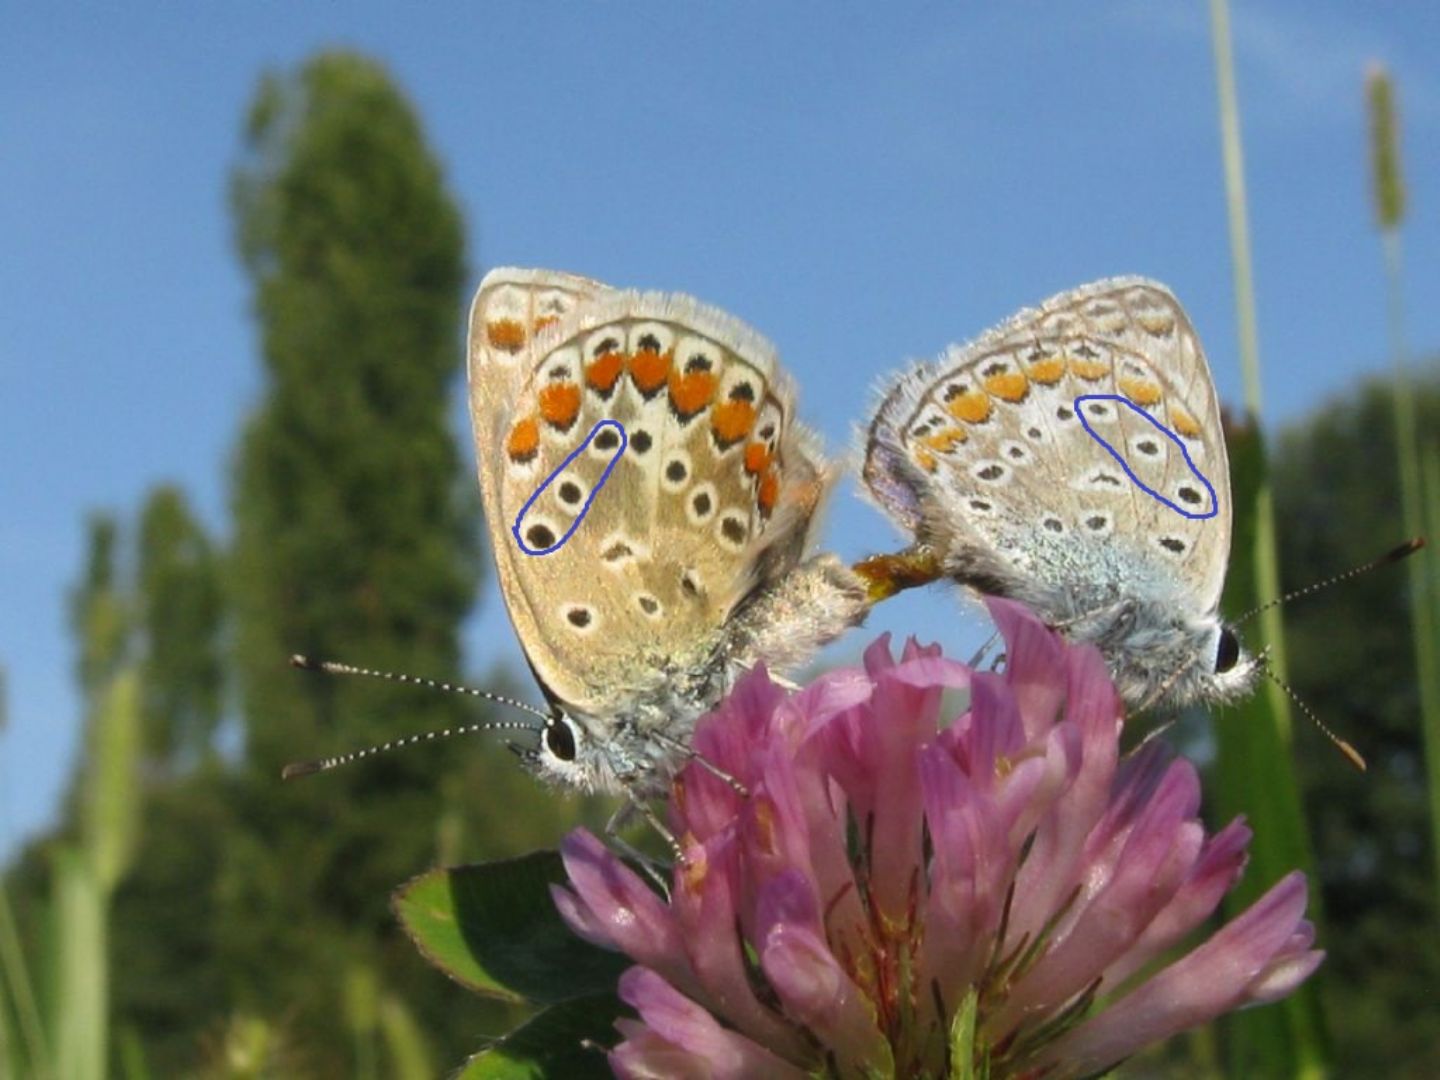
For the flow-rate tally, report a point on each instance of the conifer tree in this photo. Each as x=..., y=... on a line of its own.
x=351, y=537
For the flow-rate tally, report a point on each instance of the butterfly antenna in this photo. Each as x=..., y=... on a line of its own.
x=1344, y=747
x=1408, y=548
x=330, y=667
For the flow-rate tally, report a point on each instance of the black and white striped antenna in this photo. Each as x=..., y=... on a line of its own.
x=331, y=667
x=1395, y=554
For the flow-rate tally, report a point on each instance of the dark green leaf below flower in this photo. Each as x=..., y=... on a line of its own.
x=494, y=929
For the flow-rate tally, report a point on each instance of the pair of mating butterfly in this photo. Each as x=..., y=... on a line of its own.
x=696, y=503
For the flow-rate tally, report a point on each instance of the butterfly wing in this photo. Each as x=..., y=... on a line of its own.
x=711, y=497
x=984, y=455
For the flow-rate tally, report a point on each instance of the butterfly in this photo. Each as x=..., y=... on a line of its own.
x=649, y=496
x=1072, y=458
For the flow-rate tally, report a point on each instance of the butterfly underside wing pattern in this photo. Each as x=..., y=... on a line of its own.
x=983, y=458
x=688, y=565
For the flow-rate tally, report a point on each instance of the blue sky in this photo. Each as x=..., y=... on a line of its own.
x=862, y=184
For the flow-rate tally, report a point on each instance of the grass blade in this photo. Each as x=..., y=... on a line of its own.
x=1256, y=773
x=21, y=993
x=78, y=1007
x=406, y=1050
x=1389, y=194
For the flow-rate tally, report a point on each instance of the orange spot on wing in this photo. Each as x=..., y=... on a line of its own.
x=769, y=491
x=972, y=406
x=507, y=335
x=732, y=420
x=649, y=369
x=1089, y=370
x=545, y=320
x=560, y=404
x=943, y=442
x=1009, y=386
x=1140, y=391
x=924, y=459
x=524, y=440
x=1047, y=372
x=602, y=372
x=757, y=458
x=691, y=392
x=1183, y=423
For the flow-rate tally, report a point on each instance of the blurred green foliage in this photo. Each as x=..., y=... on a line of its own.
x=56, y=997
x=1338, y=499
x=1419, y=509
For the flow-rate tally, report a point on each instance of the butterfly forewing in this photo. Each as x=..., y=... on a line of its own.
x=712, y=476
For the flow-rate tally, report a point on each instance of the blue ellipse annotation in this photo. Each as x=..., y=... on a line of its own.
x=624, y=442
x=1214, y=502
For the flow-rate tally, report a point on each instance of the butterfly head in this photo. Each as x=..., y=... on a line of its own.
x=572, y=753
x=1171, y=662
x=1233, y=669
x=555, y=750
x=567, y=754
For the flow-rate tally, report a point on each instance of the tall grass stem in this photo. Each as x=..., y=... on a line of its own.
x=1256, y=771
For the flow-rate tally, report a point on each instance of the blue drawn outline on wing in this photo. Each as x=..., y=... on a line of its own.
x=1214, y=502
x=515, y=529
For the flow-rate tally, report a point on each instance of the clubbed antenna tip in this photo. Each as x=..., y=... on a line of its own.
x=300, y=768
x=1405, y=550
x=1352, y=754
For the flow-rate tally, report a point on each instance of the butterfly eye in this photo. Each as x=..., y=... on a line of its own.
x=1227, y=653
x=560, y=740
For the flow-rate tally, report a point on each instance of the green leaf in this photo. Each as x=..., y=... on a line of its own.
x=494, y=928
x=553, y=1044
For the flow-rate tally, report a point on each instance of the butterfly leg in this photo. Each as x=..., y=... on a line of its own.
x=1155, y=733
x=691, y=754
x=1120, y=609
x=654, y=869
x=980, y=653
x=1165, y=687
